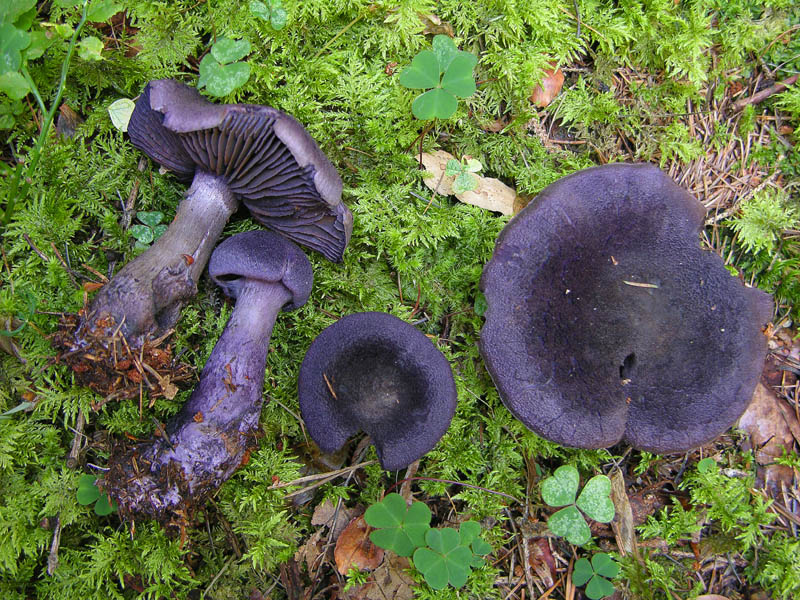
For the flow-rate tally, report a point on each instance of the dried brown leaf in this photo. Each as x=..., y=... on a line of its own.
x=355, y=549
x=770, y=430
x=542, y=561
x=622, y=525
x=552, y=82
x=390, y=580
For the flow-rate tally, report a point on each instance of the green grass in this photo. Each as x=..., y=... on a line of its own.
x=360, y=115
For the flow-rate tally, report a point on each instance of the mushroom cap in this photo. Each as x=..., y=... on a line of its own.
x=265, y=156
x=264, y=256
x=375, y=372
x=606, y=321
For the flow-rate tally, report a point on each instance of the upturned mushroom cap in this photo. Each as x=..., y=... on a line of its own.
x=374, y=372
x=606, y=321
x=263, y=256
x=266, y=157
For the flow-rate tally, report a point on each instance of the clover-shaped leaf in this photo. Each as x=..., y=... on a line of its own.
x=560, y=489
x=12, y=42
x=445, y=561
x=272, y=12
x=219, y=73
x=448, y=71
x=595, y=573
x=150, y=230
x=399, y=528
x=463, y=171
x=88, y=493
x=595, y=500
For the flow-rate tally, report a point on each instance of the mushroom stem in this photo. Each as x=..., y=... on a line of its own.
x=146, y=295
x=216, y=428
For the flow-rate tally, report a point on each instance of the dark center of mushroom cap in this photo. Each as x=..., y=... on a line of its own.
x=264, y=256
x=379, y=386
x=374, y=372
x=607, y=321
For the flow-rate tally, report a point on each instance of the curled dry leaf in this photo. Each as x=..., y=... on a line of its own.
x=325, y=514
x=552, y=82
x=542, y=561
x=491, y=194
x=771, y=430
x=355, y=550
x=390, y=580
x=622, y=525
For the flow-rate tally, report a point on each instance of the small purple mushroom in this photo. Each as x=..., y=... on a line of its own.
x=229, y=152
x=213, y=433
x=606, y=321
x=374, y=372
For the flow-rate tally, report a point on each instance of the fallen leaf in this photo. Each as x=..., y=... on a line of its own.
x=622, y=525
x=491, y=194
x=711, y=597
x=434, y=25
x=312, y=552
x=390, y=580
x=68, y=121
x=770, y=430
x=325, y=514
x=435, y=165
x=542, y=561
x=355, y=549
x=550, y=86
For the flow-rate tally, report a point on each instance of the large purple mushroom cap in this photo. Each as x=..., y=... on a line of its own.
x=265, y=156
x=607, y=322
x=374, y=372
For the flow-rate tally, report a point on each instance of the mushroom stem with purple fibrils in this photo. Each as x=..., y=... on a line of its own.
x=212, y=435
x=146, y=295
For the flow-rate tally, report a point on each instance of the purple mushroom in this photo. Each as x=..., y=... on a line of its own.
x=606, y=321
x=374, y=372
x=213, y=433
x=231, y=152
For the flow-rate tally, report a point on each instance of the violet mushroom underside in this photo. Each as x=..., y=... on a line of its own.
x=376, y=373
x=584, y=303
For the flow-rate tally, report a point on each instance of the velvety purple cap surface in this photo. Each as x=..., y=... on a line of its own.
x=264, y=256
x=384, y=377
x=606, y=321
x=267, y=158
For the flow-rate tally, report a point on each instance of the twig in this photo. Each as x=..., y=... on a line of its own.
x=461, y=483
x=318, y=476
x=765, y=93
x=52, y=558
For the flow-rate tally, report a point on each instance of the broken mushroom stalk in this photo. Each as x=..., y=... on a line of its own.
x=255, y=154
x=375, y=372
x=169, y=477
x=607, y=322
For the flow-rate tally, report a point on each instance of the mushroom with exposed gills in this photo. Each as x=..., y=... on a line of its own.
x=607, y=322
x=213, y=433
x=375, y=372
x=230, y=152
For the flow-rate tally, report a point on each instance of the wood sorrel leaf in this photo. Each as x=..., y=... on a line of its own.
x=422, y=73
x=561, y=487
x=570, y=524
x=595, y=499
x=435, y=103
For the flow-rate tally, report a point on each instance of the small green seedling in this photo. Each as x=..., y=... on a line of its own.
x=448, y=71
x=597, y=573
x=444, y=556
x=272, y=12
x=221, y=71
x=88, y=493
x=150, y=230
x=399, y=528
x=463, y=171
x=595, y=501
